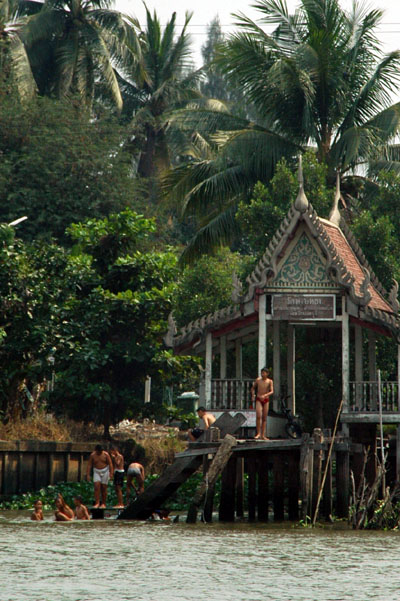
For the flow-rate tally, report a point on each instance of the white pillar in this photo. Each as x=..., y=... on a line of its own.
x=262, y=333
x=238, y=359
x=222, y=368
x=372, y=373
x=208, y=370
x=291, y=370
x=222, y=363
x=276, y=364
x=358, y=363
x=345, y=356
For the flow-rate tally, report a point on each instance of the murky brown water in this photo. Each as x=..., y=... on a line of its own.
x=142, y=561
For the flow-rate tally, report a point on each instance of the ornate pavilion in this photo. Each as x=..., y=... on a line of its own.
x=313, y=274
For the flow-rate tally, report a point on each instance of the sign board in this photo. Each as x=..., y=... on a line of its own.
x=304, y=307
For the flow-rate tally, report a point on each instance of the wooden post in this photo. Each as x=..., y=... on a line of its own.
x=262, y=332
x=345, y=355
x=276, y=364
x=67, y=459
x=398, y=377
x=217, y=465
x=228, y=486
x=36, y=472
x=20, y=478
x=398, y=453
x=291, y=372
x=342, y=483
x=327, y=507
x=317, y=471
x=222, y=369
x=239, y=487
x=208, y=370
x=252, y=471
x=306, y=470
x=209, y=503
x=372, y=368
x=263, y=488
x=51, y=468
x=81, y=474
x=358, y=351
x=293, y=485
x=279, y=486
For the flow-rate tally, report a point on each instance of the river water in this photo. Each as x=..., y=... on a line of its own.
x=143, y=561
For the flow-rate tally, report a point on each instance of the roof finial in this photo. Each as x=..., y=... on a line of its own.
x=301, y=202
x=335, y=216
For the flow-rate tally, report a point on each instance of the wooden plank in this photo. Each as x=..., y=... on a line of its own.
x=227, y=500
x=279, y=486
x=161, y=489
x=217, y=466
x=263, y=486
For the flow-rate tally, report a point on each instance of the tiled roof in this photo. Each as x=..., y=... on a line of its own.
x=353, y=265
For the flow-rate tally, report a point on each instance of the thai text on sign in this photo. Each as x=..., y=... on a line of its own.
x=303, y=306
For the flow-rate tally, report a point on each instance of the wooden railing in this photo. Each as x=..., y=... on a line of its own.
x=231, y=394
x=364, y=396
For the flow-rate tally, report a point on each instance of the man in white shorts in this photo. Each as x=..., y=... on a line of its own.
x=103, y=470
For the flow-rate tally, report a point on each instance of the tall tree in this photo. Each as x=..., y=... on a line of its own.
x=155, y=77
x=72, y=44
x=319, y=78
x=15, y=69
x=214, y=84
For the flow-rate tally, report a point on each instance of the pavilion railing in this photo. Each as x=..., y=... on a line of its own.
x=364, y=396
x=231, y=394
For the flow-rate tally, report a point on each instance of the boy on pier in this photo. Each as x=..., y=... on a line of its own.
x=118, y=461
x=103, y=470
x=261, y=391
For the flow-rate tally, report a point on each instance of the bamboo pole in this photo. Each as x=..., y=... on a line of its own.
x=321, y=488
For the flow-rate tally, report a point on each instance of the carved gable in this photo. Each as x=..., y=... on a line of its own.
x=302, y=268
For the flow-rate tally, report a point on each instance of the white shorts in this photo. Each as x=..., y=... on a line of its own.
x=102, y=475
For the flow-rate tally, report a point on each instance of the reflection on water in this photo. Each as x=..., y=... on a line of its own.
x=142, y=561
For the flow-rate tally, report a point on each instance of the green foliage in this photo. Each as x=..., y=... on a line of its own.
x=173, y=413
x=207, y=285
x=111, y=327
x=58, y=166
x=31, y=289
x=71, y=47
x=260, y=218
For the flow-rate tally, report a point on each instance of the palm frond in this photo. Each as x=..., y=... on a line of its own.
x=219, y=230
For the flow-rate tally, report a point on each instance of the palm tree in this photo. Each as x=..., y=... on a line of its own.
x=14, y=63
x=317, y=79
x=72, y=44
x=155, y=76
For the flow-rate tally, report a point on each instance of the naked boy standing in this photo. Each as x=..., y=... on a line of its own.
x=261, y=391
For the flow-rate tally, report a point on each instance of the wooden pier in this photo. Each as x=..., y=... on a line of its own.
x=283, y=479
